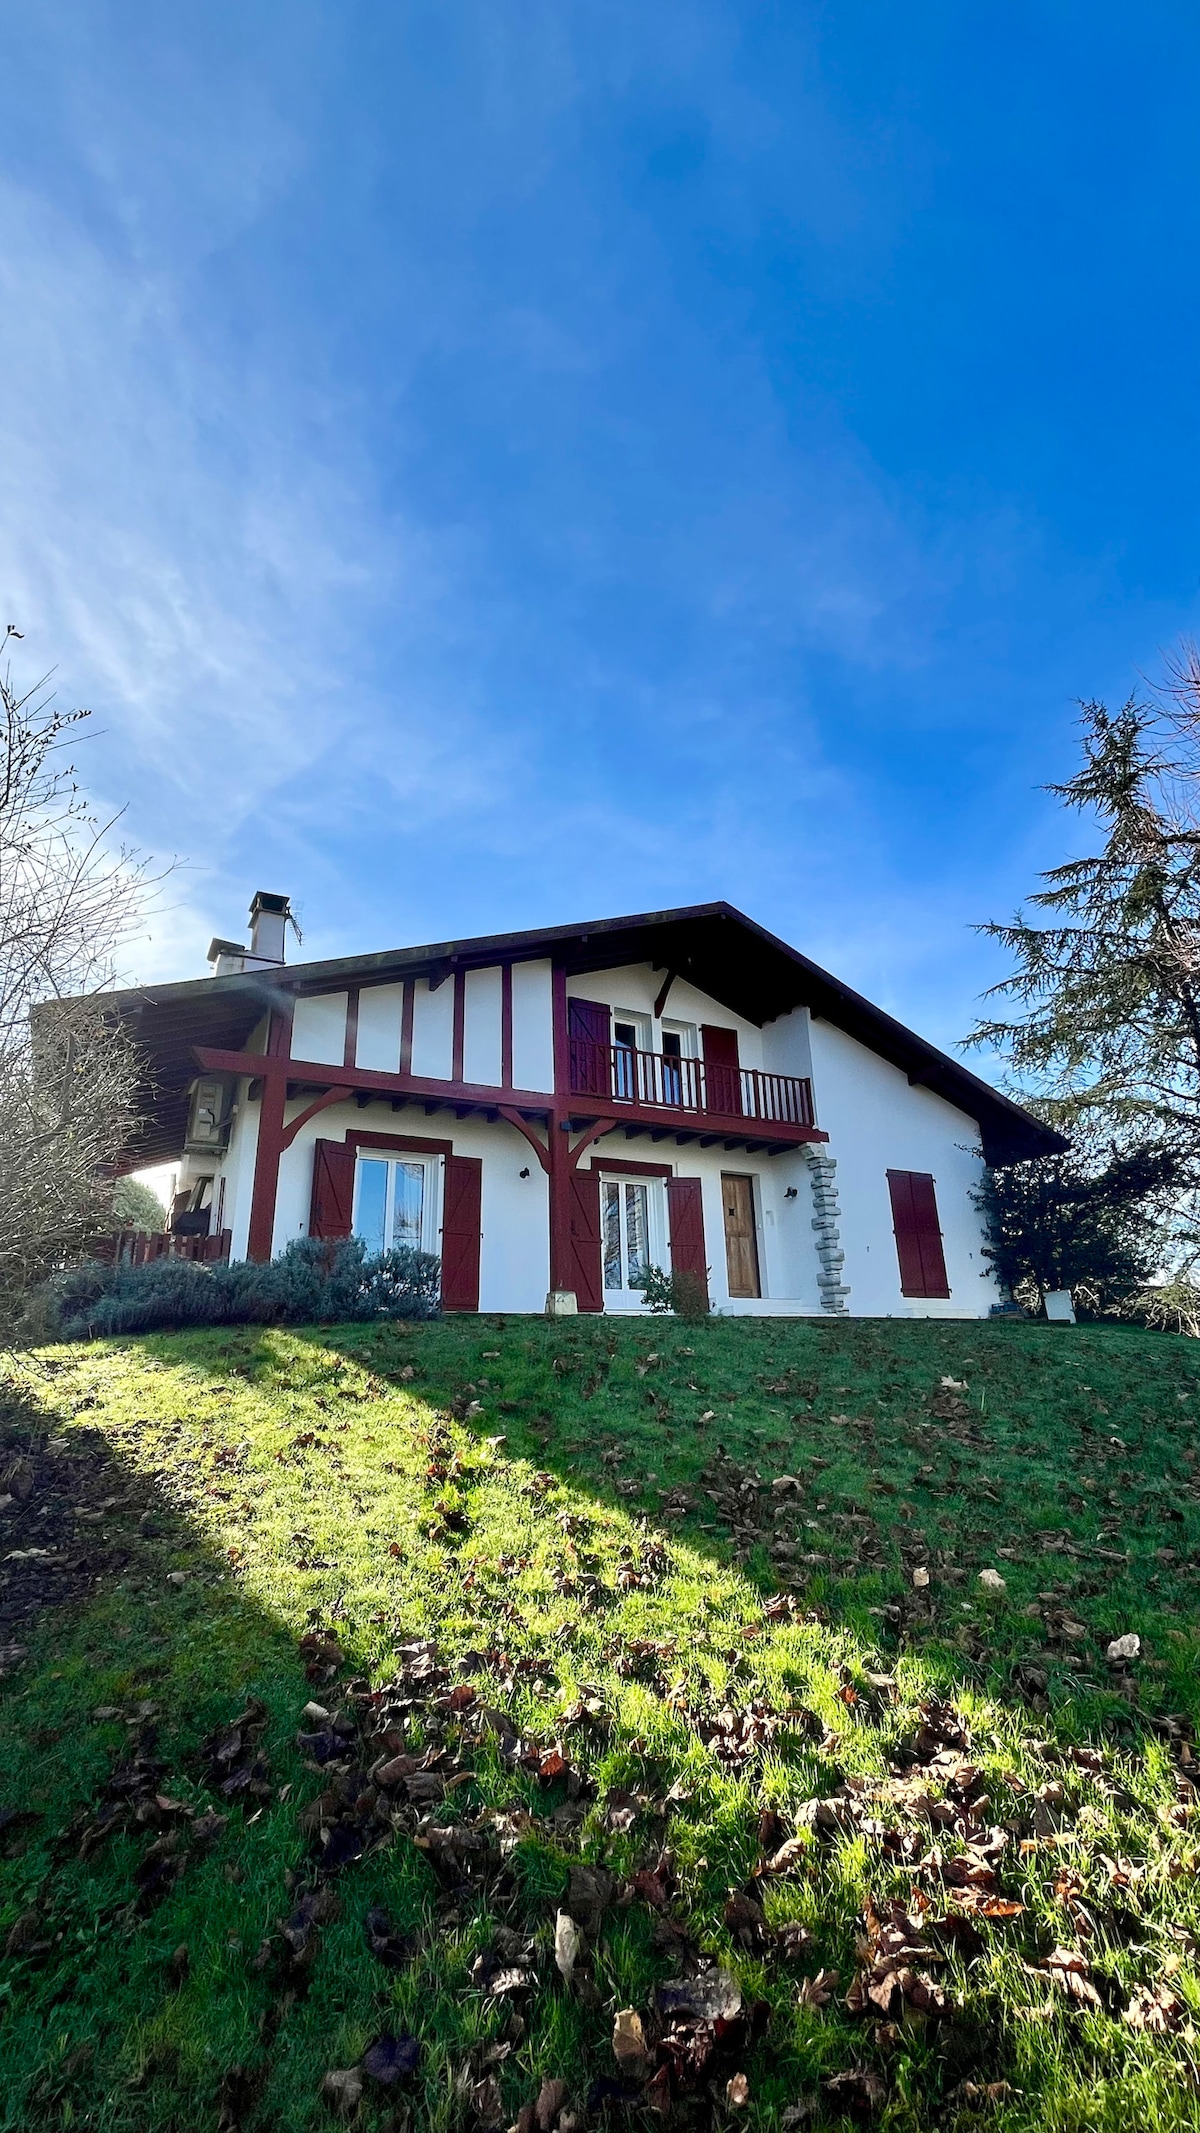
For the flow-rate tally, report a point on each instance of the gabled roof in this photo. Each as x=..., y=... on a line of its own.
x=716, y=947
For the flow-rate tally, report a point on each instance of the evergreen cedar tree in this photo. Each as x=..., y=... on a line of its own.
x=1109, y=986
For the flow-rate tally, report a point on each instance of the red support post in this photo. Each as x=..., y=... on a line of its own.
x=266, y=1165
x=506, y=1025
x=560, y=1165
x=560, y=1206
x=562, y=1047
x=406, y=1025
x=460, y=1023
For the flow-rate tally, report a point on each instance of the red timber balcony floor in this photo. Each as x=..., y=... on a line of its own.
x=651, y=1092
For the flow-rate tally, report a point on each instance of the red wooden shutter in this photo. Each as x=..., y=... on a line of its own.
x=722, y=1070
x=918, y=1234
x=685, y=1217
x=588, y=1026
x=332, y=1207
x=462, y=1203
x=583, y=1229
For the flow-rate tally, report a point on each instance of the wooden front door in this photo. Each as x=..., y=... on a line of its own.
x=741, y=1243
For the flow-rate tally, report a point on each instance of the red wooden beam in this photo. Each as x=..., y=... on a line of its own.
x=279, y=1029
x=522, y=1125
x=270, y=1147
x=320, y=1075
x=595, y=1132
x=406, y=1143
x=406, y=1025
x=562, y=1044
x=506, y=1025
x=319, y=1103
x=460, y=1024
x=631, y=1170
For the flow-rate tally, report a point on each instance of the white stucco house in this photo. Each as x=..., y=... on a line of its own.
x=554, y=1111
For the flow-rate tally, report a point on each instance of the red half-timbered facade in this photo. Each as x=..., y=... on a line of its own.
x=555, y=1112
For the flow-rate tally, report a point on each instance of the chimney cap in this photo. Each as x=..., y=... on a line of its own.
x=218, y=948
x=266, y=900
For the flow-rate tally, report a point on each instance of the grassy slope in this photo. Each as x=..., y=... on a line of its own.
x=296, y=1472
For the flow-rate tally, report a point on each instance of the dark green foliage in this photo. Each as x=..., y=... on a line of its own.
x=134, y=1206
x=684, y=1294
x=309, y=1283
x=1108, y=993
x=1067, y=1222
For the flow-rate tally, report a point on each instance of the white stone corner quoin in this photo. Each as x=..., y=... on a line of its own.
x=822, y=1178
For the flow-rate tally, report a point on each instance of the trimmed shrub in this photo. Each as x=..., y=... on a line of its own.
x=311, y=1282
x=684, y=1294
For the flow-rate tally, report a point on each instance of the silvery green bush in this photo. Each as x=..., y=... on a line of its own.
x=311, y=1282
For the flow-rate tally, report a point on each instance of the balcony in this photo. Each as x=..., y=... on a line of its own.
x=689, y=1092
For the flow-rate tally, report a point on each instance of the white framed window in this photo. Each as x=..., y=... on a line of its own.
x=684, y=1039
x=631, y=1036
x=679, y=1071
x=396, y=1201
x=632, y=1235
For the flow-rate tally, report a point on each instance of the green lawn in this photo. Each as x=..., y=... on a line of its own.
x=655, y=1648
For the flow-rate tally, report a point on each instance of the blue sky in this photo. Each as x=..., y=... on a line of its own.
x=490, y=463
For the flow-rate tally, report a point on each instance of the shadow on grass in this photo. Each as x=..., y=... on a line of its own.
x=1030, y=1659
x=127, y=1645
x=100, y=2018
x=1024, y=1649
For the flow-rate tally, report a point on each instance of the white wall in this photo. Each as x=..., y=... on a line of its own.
x=637, y=988
x=514, y=1270
x=515, y=1248
x=787, y=1255
x=787, y=1259
x=877, y=1122
x=533, y=1026
x=319, y=1028
x=380, y=1008
x=433, y=1030
x=239, y=1172
x=482, y=1015
x=786, y=1045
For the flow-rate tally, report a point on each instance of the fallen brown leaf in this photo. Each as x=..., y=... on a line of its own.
x=342, y=2090
x=818, y=1991
x=551, y=2097
x=629, y=2044
x=858, y=2091
x=1155, y=2008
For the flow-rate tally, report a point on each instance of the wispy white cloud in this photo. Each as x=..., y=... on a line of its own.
x=299, y=668
x=172, y=543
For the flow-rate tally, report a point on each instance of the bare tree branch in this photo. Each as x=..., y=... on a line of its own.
x=70, y=901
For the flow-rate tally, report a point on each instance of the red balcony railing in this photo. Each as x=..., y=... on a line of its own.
x=656, y=1081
